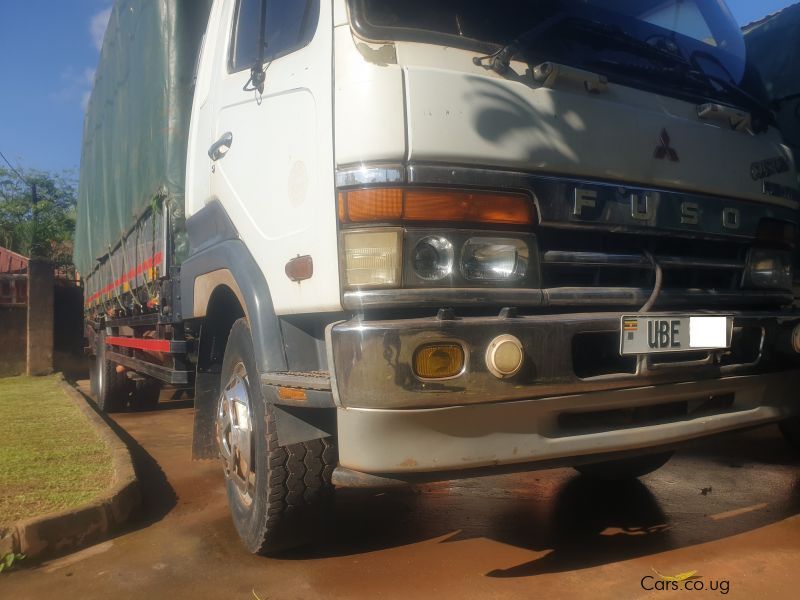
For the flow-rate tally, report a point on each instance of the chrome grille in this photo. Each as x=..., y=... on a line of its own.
x=571, y=259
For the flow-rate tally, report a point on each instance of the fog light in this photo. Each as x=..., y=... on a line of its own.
x=372, y=258
x=505, y=356
x=495, y=259
x=433, y=258
x=438, y=361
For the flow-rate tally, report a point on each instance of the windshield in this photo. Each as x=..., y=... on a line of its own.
x=606, y=37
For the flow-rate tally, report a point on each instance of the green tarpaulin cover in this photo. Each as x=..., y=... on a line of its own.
x=137, y=122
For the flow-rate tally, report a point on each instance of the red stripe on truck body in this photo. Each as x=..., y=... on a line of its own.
x=148, y=345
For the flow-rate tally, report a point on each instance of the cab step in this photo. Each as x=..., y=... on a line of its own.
x=310, y=389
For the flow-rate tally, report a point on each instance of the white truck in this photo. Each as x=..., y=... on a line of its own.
x=389, y=241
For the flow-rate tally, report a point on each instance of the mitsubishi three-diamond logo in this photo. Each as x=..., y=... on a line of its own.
x=663, y=150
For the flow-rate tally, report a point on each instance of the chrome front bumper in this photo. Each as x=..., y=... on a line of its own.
x=391, y=422
x=532, y=431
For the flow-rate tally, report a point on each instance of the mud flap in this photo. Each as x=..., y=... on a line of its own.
x=205, y=404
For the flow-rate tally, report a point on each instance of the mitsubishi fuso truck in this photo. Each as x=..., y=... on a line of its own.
x=392, y=241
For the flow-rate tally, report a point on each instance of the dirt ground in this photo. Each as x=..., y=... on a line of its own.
x=728, y=508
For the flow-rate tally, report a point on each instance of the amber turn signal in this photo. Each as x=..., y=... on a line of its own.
x=438, y=361
x=435, y=205
x=296, y=394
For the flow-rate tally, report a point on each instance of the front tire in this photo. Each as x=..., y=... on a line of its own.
x=272, y=489
x=625, y=468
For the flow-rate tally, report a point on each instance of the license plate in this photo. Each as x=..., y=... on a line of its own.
x=657, y=334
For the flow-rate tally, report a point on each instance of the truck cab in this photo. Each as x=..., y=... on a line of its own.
x=435, y=240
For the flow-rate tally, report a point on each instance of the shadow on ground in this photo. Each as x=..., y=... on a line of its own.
x=714, y=490
x=158, y=496
x=710, y=491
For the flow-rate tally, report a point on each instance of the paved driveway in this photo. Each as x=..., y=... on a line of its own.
x=727, y=508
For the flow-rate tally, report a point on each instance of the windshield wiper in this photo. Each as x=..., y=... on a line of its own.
x=689, y=69
x=699, y=82
x=668, y=62
x=728, y=85
x=625, y=41
x=745, y=98
x=500, y=61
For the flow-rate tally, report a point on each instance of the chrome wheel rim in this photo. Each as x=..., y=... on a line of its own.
x=235, y=434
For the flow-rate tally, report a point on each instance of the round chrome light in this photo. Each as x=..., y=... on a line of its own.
x=505, y=356
x=433, y=258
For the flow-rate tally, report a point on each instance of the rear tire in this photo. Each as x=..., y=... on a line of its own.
x=625, y=468
x=273, y=490
x=791, y=431
x=146, y=395
x=111, y=388
x=93, y=375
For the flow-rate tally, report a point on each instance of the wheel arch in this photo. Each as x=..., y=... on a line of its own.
x=219, y=264
x=223, y=308
x=220, y=283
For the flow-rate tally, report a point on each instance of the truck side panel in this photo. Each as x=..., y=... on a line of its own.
x=136, y=264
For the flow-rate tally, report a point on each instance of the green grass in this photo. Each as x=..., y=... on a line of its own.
x=50, y=456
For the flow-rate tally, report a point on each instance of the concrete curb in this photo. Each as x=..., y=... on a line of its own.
x=88, y=524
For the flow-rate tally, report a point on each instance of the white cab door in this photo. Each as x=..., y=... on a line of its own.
x=274, y=174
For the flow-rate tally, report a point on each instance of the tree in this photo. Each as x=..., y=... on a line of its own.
x=46, y=229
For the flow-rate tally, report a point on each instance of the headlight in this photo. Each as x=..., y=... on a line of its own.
x=494, y=259
x=768, y=269
x=372, y=258
x=433, y=258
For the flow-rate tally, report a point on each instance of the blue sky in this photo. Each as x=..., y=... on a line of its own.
x=48, y=52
